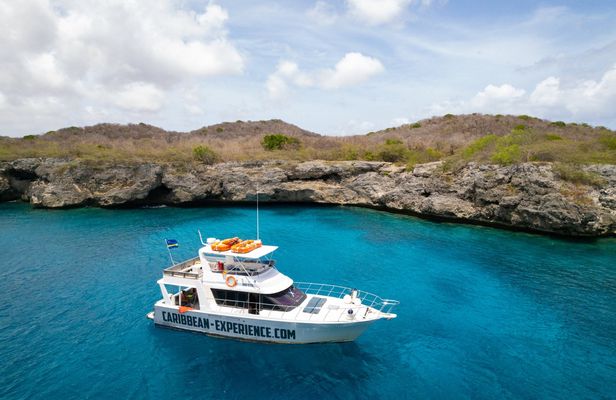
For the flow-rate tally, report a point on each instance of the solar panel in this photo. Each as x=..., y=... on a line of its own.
x=314, y=305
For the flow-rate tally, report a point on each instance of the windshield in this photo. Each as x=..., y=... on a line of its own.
x=291, y=296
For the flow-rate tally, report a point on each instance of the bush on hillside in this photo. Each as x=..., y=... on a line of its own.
x=393, y=141
x=279, y=142
x=608, y=140
x=205, y=155
x=507, y=154
x=479, y=145
x=393, y=151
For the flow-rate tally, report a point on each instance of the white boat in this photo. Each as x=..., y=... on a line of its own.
x=244, y=296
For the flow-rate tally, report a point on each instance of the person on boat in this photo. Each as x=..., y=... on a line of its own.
x=189, y=296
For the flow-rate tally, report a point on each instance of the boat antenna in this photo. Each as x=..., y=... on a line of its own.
x=257, y=210
x=200, y=237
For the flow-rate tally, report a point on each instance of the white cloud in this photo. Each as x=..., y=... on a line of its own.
x=546, y=93
x=323, y=13
x=109, y=54
x=286, y=73
x=503, y=94
x=588, y=100
x=352, y=69
x=377, y=12
x=140, y=96
x=400, y=121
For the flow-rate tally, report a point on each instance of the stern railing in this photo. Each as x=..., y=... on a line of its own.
x=182, y=270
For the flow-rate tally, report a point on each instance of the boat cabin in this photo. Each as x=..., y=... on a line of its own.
x=225, y=279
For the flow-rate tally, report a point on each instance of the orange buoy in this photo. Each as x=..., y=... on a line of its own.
x=231, y=281
x=225, y=245
x=184, y=309
x=246, y=246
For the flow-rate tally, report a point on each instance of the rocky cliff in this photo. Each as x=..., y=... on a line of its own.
x=527, y=196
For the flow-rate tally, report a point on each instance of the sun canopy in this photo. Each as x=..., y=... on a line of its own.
x=255, y=254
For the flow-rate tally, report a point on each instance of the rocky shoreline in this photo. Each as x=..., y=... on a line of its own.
x=529, y=196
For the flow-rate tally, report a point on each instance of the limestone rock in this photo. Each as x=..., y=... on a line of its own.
x=528, y=196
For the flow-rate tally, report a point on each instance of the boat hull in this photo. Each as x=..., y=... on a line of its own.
x=249, y=328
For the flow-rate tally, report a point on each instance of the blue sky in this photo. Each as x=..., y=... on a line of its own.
x=334, y=67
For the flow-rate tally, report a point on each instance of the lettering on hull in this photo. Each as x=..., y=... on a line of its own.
x=228, y=328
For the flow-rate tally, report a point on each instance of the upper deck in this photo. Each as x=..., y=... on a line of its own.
x=256, y=254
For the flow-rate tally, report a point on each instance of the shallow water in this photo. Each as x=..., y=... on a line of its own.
x=484, y=313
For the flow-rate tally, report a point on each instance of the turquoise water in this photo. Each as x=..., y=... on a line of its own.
x=484, y=313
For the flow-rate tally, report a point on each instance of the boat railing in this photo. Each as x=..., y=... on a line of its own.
x=367, y=299
x=330, y=312
x=183, y=270
x=248, y=268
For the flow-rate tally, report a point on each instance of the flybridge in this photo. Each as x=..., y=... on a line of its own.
x=255, y=254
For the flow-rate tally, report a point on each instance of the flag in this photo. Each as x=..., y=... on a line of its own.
x=171, y=243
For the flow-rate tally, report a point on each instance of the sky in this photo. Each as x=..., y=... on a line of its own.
x=334, y=67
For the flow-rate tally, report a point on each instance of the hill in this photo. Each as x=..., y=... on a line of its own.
x=500, y=139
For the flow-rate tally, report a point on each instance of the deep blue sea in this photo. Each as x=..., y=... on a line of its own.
x=484, y=313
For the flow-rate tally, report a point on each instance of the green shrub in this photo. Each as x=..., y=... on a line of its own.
x=393, y=141
x=524, y=117
x=433, y=154
x=520, y=127
x=349, y=153
x=279, y=142
x=415, y=125
x=220, y=129
x=478, y=145
x=205, y=155
x=449, y=116
x=29, y=137
x=507, y=154
x=552, y=137
x=559, y=124
x=574, y=174
x=608, y=140
x=393, y=152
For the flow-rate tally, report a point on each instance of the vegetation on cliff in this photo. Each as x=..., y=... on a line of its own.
x=499, y=139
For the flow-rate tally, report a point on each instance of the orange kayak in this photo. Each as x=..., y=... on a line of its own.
x=246, y=246
x=225, y=245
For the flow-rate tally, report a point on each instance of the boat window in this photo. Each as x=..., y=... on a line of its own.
x=286, y=300
x=230, y=298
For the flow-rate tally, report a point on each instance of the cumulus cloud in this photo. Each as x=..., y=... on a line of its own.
x=546, y=93
x=377, y=12
x=502, y=95
x=352, y=69
x=400, y=121
x=107, y=54
x=587, y=100
x=286, y=73
x=140, y=96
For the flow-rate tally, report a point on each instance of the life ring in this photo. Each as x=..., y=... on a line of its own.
x=231, y=281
